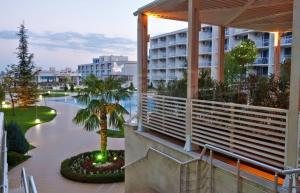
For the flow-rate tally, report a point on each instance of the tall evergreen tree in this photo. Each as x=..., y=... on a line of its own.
x=26, y=88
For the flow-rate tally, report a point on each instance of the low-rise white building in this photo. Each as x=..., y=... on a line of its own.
x=54, y=79
x=168, y=52
x=107, y=66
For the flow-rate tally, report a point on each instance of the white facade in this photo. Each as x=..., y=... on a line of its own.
x=168, y=52
x=106, y=66
x=52, y=78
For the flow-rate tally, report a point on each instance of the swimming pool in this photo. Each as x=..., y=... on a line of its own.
x=130, y=105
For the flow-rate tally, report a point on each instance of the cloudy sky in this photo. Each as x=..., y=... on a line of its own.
x=65, y=33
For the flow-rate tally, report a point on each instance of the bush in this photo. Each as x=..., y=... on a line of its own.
x=16, y=140
x=14, y=158
x=72, y=88
x=68, y=172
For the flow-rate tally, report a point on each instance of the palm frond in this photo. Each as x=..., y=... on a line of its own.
x=81, y=116
x=92, y=123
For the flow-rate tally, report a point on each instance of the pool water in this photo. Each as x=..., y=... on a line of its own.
x=130, y=105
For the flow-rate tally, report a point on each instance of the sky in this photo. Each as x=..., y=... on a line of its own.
x=65, y=33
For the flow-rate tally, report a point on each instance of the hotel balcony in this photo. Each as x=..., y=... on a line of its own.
x=181, y=52
x=262, y=43
x=262, y=60
x=205, y=49
x=204, y=64
x=187, y=144
x=181, y=41
x=287, y=40
x=157, y=76
x=158, y=66
x=205, y=35
x=172, y=77
x=172, y=54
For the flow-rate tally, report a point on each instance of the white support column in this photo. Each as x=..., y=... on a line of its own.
x=142, y=51
x=221, y=61
x=292, y=141
x=194, y=27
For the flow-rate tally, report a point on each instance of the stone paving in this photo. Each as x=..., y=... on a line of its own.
x=56, y=141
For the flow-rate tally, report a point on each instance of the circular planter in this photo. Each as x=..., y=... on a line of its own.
x=82, y=168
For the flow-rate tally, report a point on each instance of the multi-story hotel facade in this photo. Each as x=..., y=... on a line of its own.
x=106, y=66
x=168, y=52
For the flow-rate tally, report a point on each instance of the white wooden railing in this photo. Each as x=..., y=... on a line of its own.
x=256, y=132
x=251, y=131
x=164, y=114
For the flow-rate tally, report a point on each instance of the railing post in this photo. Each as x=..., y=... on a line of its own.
x=188, y=132
x=238, y=176
x=211, y=169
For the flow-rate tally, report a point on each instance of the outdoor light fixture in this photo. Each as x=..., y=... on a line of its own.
x=41, y=97
x=99, y=157
x=115, y=158
x=37, y=121
x=49, y=92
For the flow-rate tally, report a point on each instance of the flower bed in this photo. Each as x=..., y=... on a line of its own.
x=84, y=168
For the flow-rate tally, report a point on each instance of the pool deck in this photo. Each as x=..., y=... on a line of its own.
x=56, y=141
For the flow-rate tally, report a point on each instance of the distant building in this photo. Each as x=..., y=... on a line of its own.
x=107, y=66
x=168, y=52
x=53, y=79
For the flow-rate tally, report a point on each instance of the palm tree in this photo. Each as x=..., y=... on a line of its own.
x=101, y=98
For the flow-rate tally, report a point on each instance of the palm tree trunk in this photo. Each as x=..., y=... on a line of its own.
x=103, y=134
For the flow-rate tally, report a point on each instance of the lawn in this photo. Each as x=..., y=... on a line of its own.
x=26, y=117
x=55, y=94
x=114, y=133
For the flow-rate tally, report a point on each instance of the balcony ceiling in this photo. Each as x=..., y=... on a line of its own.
x=262, y=15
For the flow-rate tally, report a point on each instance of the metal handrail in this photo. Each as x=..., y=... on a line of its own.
x=167, y=156
x=3, y=158
x=28, y=182
x=290, y=172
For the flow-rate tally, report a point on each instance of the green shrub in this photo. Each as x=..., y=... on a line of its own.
x=16, y=140
x=14, y=158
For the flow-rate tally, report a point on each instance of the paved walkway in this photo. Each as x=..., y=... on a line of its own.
x=56, y=141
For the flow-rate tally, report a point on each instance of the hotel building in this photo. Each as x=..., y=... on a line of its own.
x=106, y=66
x=168, y=52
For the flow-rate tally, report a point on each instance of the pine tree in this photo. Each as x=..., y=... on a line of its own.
x=26, y=88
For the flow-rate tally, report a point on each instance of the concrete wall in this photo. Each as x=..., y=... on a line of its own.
x=167, y=176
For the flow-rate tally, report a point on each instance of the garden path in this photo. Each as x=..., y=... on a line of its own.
x=56, y=141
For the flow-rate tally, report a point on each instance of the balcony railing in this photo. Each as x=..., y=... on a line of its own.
x=262, y=60
x=205, y=49
x=165, y=115
x=158, y=77
x=252, y=131
x=287, y=40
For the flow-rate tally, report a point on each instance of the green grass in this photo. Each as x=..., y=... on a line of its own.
x=55, y=94
x=14, y=159
x=115, y=134
x=26, y=117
